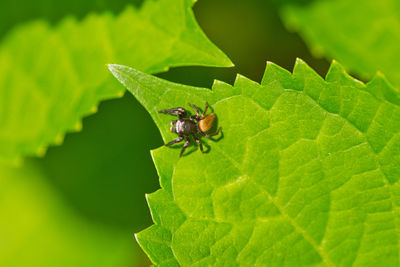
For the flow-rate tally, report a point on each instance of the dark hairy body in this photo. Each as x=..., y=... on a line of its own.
x=187, y=127
x=184, y=126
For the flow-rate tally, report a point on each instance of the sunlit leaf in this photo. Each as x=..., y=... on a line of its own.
x=306, y=172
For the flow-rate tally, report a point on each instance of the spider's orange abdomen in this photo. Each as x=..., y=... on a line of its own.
x=206, y=123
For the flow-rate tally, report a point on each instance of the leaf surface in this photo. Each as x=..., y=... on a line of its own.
x=363, y=35
x=51, y=77
x=306, y=172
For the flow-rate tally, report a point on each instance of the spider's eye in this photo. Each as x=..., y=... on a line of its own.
x=173, y=129
x=206, y=123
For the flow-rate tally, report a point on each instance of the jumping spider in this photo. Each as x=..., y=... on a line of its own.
x=188, y=126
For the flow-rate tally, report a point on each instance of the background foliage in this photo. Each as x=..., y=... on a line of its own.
x=364, y=35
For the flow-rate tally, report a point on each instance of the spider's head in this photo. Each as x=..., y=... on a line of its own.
x=173, y=128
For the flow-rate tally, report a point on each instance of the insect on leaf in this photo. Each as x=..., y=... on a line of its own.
x=306, y=172
x=51, y=77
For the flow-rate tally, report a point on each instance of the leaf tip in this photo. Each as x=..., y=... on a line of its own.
x=117, y=70
x=41, y=151
x=337, y=71
x=379, y=74
x=270, y=63
x=381, y=87
x=270, y=66
x=299, y=62
x=334, y=69
x=238, y=78
x=335, y=63
x=136, y=237
x=114, y=68
x=59, y=139
x=230, y=64
x=78, y=126
x=216, y=83
x=120, y=93
x=93, y=109
x=273, y=71
x=379, y=78
x=126, y=75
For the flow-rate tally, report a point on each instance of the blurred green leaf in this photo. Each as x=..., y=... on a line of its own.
x=251, y=32
x=51, y=77
x=38, y=229
x=363, y=35
x=21, y=11
x=306, y=172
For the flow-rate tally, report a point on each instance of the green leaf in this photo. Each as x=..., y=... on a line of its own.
x=20, y=11
x=51, y=77
x=306, y=172
x=363, y=35
x=38, y=229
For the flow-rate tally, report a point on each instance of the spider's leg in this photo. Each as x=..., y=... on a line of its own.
x=210, y=135
x=185, y=145
x=198, y=142
x=180, y=112
x=205, y=110
x=196, y=109
x=177, y=140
